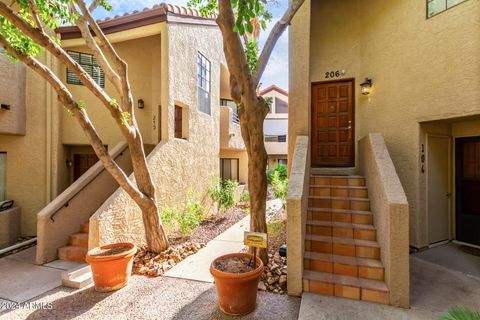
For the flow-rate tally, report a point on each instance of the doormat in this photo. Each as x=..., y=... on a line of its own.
x=470, y=250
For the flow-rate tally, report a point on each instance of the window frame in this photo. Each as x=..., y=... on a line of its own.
x=200, y=79
x=446, y=8
x=101, y=80
x=178, y=122
x=277, y=99
x=238, y=168
x=4, y=195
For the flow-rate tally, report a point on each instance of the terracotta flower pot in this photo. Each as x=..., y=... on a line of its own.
x=111, y=270
x=237, y=292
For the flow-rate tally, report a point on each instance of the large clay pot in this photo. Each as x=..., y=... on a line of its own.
x=237, y=292
x=111, y=272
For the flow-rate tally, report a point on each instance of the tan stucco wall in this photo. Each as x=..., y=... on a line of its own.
x=272, y=161
x=177, y=165
x=31, y=180
x=417, y=65
x=230, y=133
x=12, y=93
x=242, y=157
x=144, y=69
x=389, y=207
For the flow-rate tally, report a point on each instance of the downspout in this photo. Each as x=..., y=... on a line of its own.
x=48, y=134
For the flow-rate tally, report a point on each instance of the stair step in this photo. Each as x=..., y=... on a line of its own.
x=341, y=229
x=346, y=203
x=345, y=286
x=339, y=191
x=79, y=240
x=337, y=180
x=342, y=246
x=345, y=265
x=72, y=253
x=78, y=278
x=340, y=215
x=84, y=228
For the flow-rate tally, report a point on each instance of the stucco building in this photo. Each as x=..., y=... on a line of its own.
x=178, y=77
x=275, y=126
x=384, y=136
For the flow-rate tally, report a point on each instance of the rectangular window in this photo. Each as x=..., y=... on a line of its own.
x=435, y=7
x=282, y=138
x=3, y=175
x=229, y=169
x=282, y=161
x=178, y=122
x=90, y=65
x=281, y=106
x=203, y=83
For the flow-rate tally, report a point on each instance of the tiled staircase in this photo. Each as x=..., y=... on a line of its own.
x=342, y=256
x=77, y=246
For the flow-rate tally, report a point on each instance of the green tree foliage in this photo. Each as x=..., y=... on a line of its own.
x=222, y=192
x=282, y=171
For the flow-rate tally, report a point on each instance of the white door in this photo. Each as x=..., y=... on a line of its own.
x=438, y=188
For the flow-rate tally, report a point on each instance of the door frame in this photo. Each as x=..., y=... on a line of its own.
x=452, y=200
x=456, y=193
x=354, y=137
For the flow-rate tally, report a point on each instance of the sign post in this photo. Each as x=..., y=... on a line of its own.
x=256, y=240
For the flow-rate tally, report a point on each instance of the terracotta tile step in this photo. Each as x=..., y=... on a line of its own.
x=337, y=180
x=72, y=253
x=79, y=240
x=345, y=265
x=341, y=229
x=338, y=191
x=345, y=286
x=340, y=215
x=342, y=246
x=360, y=204
x=84, y=228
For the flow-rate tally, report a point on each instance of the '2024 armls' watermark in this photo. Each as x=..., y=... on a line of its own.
x=11, y=305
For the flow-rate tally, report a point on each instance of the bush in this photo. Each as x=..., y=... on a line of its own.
x=245, y=197
x=282, y=171
x=187, y=220
x=457, y=313
x=279, y=185
x=222, y=192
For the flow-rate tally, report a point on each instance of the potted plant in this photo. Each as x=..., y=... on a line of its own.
x=236, y=280
x=111, y=265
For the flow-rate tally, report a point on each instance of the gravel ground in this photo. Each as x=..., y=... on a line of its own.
x=150, y=298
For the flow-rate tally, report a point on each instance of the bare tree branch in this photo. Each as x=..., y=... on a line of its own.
x=273, y=37
x=65, y=96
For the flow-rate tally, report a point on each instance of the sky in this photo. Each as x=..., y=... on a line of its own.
x=277, y=68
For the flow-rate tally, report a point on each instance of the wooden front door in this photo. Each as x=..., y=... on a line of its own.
x=467, y=162
x=333, y=114
x=81, y=163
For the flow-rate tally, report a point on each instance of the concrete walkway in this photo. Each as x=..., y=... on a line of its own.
x=22, y=280
x=197, y=266
x=434, y=290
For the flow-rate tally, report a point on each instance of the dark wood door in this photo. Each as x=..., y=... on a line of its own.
x=333, y=117
x=467, y=153
x=81, y=163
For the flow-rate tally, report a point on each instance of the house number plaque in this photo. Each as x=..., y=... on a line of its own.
x=334, y=74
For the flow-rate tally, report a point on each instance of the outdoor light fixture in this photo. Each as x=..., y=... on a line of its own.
x=366, y=86
x=141, y=104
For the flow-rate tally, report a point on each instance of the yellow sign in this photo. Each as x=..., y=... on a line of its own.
x=255, y=239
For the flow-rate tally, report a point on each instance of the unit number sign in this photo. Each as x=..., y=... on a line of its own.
x=334, y=74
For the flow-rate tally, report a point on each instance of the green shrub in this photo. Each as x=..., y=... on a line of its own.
x=282, y=171
x=458, y=313
x=169, y=215
x=186, y=220
x=222, y=192
x=279, y=185
x=245, y=197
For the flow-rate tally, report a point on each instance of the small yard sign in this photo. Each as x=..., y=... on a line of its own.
x=255, y=239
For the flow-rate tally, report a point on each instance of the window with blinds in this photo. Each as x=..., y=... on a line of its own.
x=90, y=65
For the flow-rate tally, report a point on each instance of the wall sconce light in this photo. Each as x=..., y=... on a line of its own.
x=366, y=86
x=5, y=106
x=69, y=163
x=141, y=104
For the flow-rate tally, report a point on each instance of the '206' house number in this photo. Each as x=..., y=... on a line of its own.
x=334, y=74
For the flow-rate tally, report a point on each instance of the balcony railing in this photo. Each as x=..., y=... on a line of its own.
x=235, y=118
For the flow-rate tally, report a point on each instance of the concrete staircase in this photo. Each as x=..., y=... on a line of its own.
x=342, y=256
x=77, y=247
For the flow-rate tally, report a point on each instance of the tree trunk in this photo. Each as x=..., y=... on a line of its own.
x=252, y=133
x=157, y=240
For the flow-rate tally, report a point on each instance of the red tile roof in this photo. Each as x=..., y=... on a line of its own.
x=158, y=13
